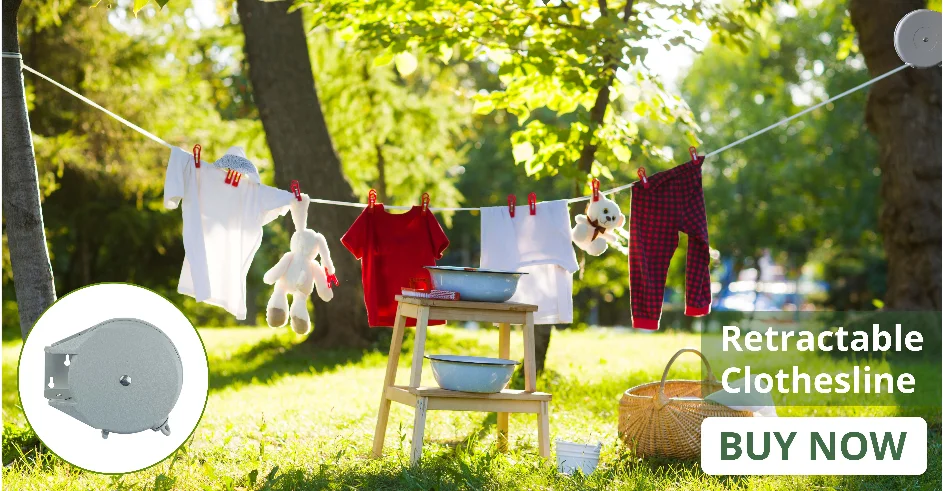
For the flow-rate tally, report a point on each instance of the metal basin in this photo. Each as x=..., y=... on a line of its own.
x=472, y=373
x=474, y=284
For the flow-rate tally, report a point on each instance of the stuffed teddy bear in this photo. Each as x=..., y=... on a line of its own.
x=598, y=227
x=299, y=273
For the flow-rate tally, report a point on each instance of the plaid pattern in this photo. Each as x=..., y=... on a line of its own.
x=672, y=202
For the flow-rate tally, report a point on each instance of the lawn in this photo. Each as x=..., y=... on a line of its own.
x=282, y=416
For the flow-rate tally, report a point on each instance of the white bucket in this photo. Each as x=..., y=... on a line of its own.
x=572, y=456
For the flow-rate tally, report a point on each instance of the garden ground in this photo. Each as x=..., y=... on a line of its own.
x=283, y=416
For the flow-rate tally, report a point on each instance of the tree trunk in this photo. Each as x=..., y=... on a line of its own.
x=903, y=112
x=597, y=115
x=541, y=344
x=22, y=211
x=283, y=87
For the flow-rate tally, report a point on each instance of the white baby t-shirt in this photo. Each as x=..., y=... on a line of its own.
x=222, y=229
x=538, y=245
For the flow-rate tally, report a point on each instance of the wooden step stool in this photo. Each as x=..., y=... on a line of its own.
x=433, y=398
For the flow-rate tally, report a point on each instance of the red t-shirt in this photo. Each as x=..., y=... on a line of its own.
x=393, y=248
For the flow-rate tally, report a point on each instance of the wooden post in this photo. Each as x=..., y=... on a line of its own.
x=543, y=429
x=530, y=364
x=419, y=428
x=419, y=346
x=504, y=351
x=396, y=345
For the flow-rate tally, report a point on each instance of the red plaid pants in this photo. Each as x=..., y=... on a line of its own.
x=672, y=202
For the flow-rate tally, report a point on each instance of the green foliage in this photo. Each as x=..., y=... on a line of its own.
x=101, y=182
x=548, y=64
x=398, y=127
x=184, y=79
x=469, y=102
x=550, y=57
x=810, y=187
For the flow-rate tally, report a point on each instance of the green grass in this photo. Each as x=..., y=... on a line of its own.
x=282, y=416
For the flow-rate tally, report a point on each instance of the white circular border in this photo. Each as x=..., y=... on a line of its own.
x=80, y=444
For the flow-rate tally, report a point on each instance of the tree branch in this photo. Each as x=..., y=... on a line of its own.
x=598, y=112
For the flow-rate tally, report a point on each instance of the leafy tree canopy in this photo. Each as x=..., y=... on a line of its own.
x=811, y=188
x=566, y=58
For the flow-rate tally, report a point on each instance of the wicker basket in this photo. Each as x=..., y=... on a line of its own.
x=663, y=419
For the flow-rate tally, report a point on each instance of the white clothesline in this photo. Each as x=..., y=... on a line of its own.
x=623, y=187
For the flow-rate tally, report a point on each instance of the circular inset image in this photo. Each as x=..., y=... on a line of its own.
x=113, y=378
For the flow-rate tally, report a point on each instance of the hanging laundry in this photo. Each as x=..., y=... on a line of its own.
x=393, y=250
x=671, y=202
x=539, y=245
x=222, y=227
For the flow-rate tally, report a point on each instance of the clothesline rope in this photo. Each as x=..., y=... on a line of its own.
x=570, y=201
x=808, y=110
x=100, y=108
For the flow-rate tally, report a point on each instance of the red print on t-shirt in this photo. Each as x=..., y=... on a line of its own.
x=393, y=248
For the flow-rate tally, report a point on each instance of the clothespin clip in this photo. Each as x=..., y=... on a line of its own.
x=371, y=199
x=693, y=151
x=296, y=189
x=232, y=177
x=595, y=185
x=197, y=150
x=532, y=203
x=512, y=203
x=424, y=203
x=331, y=279
x=642, y=177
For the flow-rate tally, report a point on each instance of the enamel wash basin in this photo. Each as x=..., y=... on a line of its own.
x=472, y=373
x=474, y=284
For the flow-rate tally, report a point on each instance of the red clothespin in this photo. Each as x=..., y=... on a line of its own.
x=693, y=151
x=512, y=203
x=532, y=203
x=232, y=178
x=296, y=188
x=642, y=177
x=331, y=279
x=424, y=203
x=371, y=199
x=595, y=185
x=197, y=150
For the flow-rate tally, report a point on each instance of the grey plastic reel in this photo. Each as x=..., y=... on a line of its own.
x=120, y=376
x=917, y=38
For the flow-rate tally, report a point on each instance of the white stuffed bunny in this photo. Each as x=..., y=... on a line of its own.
x=597, y=228
x=298, y=273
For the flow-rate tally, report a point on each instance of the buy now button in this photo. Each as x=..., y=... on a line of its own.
x=810, y=446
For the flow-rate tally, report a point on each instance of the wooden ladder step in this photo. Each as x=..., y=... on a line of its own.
x=506, y=394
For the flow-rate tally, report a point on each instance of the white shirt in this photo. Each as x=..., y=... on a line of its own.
x=539, y=245
x=222, y=229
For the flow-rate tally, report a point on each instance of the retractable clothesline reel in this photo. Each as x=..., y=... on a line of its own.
x=918, y=39
x=120, y=376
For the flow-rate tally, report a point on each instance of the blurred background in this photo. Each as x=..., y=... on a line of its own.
x=793, y=215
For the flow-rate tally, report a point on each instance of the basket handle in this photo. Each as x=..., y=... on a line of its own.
x=662, y=399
